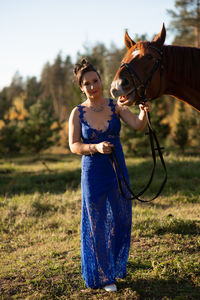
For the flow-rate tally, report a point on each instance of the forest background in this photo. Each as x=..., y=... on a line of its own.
x=34, y=113
x=40, y=192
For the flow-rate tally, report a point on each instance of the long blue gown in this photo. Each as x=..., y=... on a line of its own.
x=106, y=215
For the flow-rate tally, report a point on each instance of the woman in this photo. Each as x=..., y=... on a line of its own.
x=94, y=128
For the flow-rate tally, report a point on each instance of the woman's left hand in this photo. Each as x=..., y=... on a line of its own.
x=146, y=106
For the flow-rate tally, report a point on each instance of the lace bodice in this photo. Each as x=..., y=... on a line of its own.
x=92, y=135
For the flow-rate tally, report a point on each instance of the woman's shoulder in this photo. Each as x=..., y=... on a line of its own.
x=78, y=108
x=75, y=112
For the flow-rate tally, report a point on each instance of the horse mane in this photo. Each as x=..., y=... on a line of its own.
x=183, y=63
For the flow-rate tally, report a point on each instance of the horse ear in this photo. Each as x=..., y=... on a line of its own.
x=128, y=41
x=160, y=37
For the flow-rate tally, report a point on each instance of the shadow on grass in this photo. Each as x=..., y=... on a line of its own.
x=160, y=288
x=29, y=183
x=150, y=226
x=183, y=177
x=14, y=181
x=46, y=285
x=48, y=158
x=180, y=226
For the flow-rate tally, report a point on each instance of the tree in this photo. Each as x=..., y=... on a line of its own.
x=159, y=118
x=111, y=64
x=181, y=133
x=7, y=95
x=194, y=124
x=9, y=131
x=33, y=91
x=186, y=22
x=9, y=137
x=56, y=82
x=5, y=102
x=39, y=130
x=70, y=92
x=186, y=26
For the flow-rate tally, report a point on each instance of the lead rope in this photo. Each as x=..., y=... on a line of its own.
x=116, y=165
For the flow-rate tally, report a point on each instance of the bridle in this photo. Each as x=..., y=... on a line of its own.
x=142, y=87
x=155, y=146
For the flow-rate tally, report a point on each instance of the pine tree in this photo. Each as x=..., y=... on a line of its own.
x=39, y=130
x=33, y=91
x=186, y=26
x=186, y=22
x=181, y=133
x=159, y=118
x=9, y=137
x=5, y=102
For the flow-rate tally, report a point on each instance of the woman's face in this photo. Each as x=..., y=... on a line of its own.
x=91, y=85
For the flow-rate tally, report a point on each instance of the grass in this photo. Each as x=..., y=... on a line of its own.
x=40, y=213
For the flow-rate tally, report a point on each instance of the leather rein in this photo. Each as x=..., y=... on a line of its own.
x=155, y=146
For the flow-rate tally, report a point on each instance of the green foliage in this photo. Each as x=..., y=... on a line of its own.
x=33, y=92
x=9, y=138
x=186, y=22
x=194, y=125
x=134, y=141
x=35, y=131
x=56, y=85
x=5, y=102
x=138, y=142
x=7, y=95
x=181, y=133
x=158, y=117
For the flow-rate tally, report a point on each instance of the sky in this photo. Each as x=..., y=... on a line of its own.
x=33, y=32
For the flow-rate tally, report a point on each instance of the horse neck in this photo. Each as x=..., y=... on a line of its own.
x=182, y=76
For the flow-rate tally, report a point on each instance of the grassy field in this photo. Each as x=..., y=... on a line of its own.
x=40, y=213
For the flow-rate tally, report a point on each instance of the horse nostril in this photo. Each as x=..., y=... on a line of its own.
x=125, y=82
x=114, y=92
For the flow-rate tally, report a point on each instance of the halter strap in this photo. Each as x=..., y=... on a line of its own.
x=141, y=89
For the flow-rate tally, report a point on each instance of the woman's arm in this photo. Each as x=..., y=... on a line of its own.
x=75, y=144
x=137, y=122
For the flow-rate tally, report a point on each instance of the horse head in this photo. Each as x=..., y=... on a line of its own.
x=139, y=76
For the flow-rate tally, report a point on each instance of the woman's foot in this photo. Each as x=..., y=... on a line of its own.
x=110, y=288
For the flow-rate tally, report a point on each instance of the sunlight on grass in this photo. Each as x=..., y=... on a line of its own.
x=40, y=215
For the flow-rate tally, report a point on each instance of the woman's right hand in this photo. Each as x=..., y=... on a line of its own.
x=104, y=147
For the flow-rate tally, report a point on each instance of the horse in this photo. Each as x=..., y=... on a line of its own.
x=152, y=69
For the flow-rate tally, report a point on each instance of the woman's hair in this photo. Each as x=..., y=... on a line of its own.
x=81, y=68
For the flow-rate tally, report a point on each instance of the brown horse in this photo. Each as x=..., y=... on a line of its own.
x=152, y=69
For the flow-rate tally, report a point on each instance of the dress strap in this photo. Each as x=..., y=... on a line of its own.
x=81, y=111
x=112, y=106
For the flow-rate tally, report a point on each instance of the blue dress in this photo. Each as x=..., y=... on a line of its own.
x=106, y=215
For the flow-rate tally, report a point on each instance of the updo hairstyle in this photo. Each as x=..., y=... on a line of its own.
x=81, y=68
